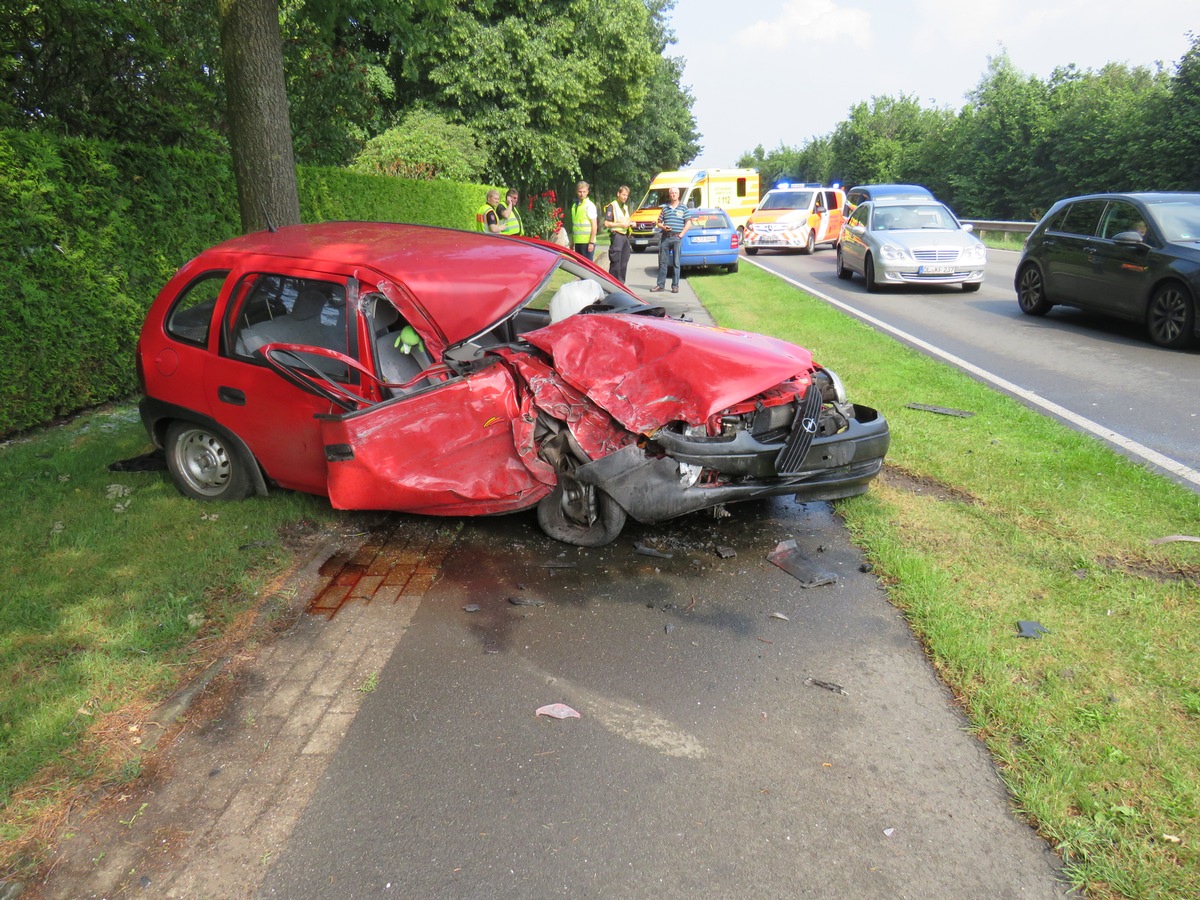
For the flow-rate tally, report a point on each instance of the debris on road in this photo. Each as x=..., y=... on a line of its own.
x=1031, y=629
x=526, y=601
x=779, y=615
x=827, y=685
x=726, y=552
x=941, y=410
x=787, y=557
x=471, y=607
x=650, y=551
x=558, y=711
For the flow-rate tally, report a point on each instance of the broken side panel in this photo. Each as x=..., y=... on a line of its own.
x=449, y=450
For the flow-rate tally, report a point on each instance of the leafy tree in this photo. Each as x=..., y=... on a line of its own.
x=424, y=145
x=1175, y=127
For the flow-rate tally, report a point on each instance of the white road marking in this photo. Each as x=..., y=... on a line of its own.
x=1117, y=439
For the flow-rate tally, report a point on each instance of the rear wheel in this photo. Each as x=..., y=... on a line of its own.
x=732, y=267
x=840, y=267
x=580, y=514
x=1031, y=292
x=204, y=466
x=869, y=274
x=1171, y=316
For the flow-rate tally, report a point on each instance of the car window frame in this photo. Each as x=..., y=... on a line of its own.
x=173, y=329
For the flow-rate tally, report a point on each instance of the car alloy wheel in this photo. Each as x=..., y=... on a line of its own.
x=1031, y=292
x=1171, y=317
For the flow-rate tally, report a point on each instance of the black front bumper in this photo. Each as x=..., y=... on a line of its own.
x=651, y=488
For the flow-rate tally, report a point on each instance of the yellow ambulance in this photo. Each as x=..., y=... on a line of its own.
x=733, y=190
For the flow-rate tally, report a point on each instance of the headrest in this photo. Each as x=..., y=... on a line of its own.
x=308, y=304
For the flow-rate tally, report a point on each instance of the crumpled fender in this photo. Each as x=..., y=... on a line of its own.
x=647, y=372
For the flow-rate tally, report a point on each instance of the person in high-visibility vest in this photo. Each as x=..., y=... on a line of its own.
x=619, y=225
x=583, y=222
x=510, y=216
x=486, y=219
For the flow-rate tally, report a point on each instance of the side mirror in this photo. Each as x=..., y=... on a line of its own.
x=1129, y=237
x=967, y=226
x=857, y=229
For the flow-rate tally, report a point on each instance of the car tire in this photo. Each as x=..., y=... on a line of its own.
x=840, y=267
x=204, y=465
x=1171, y=316
x=1031, y=292
x=810, y=245
x=751, y=251
x=869, y=274
x=731, y=268
x=970, y=287
x=558, y=514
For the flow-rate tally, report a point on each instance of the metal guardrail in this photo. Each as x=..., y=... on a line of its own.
x=1014, y=227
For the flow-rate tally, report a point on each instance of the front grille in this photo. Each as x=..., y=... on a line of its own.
x=936, y=255
x=807, y=422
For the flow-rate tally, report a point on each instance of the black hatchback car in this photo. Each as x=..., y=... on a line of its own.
x=1134, y=256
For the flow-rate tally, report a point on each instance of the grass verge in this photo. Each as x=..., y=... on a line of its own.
x=980, y=522
x=114, y=589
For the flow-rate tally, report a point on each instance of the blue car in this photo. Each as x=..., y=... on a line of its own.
x=711, y=240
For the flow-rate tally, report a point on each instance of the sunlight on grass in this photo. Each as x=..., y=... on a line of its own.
x=980, y=522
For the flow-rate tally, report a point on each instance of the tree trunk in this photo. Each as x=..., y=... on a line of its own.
x=260, y=131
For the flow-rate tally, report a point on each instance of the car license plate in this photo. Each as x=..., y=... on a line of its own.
x=768, y=239
x=936, y=270
x=705, y=239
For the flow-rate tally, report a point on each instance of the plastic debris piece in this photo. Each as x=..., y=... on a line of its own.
x=558, y=565
x=726, y=552
x=650, y=551
x=472, y=607
x=558, y=711
x=526, y=601
x=1176, y=537
x=888, y=832
x=827, y=685
x=941, y=410
x=669, y=627
x=779, y=615
x=1031, y=629
x=787, y=557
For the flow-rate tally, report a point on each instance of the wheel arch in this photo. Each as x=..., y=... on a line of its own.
x=158, y=417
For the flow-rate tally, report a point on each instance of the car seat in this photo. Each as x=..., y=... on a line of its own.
x=400, y=354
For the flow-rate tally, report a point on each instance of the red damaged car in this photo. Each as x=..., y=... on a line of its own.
x=427, y=370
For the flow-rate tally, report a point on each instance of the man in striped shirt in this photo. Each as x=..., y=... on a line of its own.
x=672, y=224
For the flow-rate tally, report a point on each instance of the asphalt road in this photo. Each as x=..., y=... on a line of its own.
x=740, y=735
x=1096, y=374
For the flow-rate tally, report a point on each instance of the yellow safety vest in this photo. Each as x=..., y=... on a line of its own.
x=581, y=224
x=481, y=219
x=511, y=225
x=620, y=213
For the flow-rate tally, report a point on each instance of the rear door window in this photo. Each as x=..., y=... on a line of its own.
x=1082, y=218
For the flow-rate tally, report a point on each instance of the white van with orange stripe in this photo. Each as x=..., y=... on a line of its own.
x=795, y=217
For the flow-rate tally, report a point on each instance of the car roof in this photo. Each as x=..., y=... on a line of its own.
x=1144, y=196
x=881, y=202
x=887, y=190
x=461, y=278
x=708, y=211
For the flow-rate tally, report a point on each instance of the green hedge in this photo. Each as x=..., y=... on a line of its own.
x=92, y=230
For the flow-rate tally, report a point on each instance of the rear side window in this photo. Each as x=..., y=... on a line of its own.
x=1080, y=218
x=191, y=316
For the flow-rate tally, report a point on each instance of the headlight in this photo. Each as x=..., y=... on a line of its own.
x=832, y=389
x=975, y=253
x=893, y=253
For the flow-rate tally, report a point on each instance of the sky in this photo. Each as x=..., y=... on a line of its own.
x=785, y=71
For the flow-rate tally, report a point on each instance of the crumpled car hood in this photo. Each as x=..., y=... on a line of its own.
x=646, y=372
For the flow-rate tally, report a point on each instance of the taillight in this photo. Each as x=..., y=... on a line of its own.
x=733, y=242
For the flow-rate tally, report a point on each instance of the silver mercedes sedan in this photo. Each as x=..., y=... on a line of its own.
x=895, y=241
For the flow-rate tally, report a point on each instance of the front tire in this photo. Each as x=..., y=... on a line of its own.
x=970, y=287
x=1171, y=317
x=751, y=251
x=869, y=274
x=204, y=465
x=580, y=514
x=1031, y=292
x=810, y=245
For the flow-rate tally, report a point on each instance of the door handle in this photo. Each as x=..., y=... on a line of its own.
x=232, y=396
